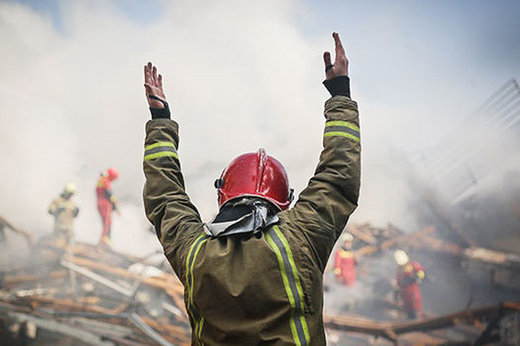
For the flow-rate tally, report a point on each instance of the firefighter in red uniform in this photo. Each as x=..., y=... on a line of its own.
x=345, y=262
x=106, y=202
x=409, y=275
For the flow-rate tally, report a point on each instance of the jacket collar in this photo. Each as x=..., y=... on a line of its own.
x=258, y=219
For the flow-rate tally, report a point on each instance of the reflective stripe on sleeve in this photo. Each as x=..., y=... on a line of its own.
x=198, y=320
x=160, y=149
x=292, y=284
x=342, y=129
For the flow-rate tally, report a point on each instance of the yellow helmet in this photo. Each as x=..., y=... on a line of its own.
x=401, y=258
x=69, y=189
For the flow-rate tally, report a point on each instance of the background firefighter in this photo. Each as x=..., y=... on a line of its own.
x=106, y=203
x=345, y=262
x=409, y=275
x=254, y=275
x=64, y=210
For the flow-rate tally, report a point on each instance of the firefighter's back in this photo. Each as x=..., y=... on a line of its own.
x=250, y=291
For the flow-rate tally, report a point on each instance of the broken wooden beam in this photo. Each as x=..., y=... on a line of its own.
x=371, y=249
x=391, y=330
x=167, y=282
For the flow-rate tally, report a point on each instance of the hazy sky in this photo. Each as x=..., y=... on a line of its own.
x=239, y=75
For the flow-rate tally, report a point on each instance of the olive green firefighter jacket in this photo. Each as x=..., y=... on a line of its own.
x=256, y=291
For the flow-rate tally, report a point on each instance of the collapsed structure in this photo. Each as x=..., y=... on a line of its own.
x=94, y=295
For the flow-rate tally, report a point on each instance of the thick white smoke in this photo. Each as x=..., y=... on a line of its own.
x=239, y=76
x=72, y=104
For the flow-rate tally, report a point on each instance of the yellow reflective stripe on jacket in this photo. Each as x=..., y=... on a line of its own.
x=292, y=284
x=342, y=123
x=159, y=149
x=199, y=329
x=342, y=129
x=190, y=261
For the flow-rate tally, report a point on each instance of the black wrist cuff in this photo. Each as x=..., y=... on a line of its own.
x=338, y=86
x=160, y=113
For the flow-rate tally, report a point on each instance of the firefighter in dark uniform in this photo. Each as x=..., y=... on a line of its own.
x=253, y=275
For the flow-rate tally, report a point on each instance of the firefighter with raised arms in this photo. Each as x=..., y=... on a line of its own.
x=254, y=274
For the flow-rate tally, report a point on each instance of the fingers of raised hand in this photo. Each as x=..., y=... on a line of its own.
x=151, y=77
x=340, y=51
x=148, y=72
x=154, y=75
x=153, y=84
x=340, y=67
x=326, y=59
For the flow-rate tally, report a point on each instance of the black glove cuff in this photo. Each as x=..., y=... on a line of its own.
x=160, y=113
x=338, y=86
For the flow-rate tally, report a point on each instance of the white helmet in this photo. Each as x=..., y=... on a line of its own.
x=347, y=237
x=69, y=189
x=401, y=258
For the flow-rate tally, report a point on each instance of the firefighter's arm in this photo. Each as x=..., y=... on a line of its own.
x=176, y=220
x=56, y=207
x=420, y=275
x=115, y=203
x=325, y=205
x=113, y=200
x=53, y=208
x=419, y=272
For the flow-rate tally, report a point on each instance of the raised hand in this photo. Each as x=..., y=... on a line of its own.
x=153, y=86
x=340, y=66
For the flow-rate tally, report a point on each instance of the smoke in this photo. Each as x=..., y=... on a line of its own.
x=72, y=102
x=238, y=77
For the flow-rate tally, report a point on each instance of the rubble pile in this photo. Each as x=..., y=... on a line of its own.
x=83, y=294
x=93, y=295
x=472, y=321
x=473, y=326
x=502, y=266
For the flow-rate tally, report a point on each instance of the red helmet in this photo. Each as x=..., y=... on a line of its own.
x=112, y=173
x=255, y=174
